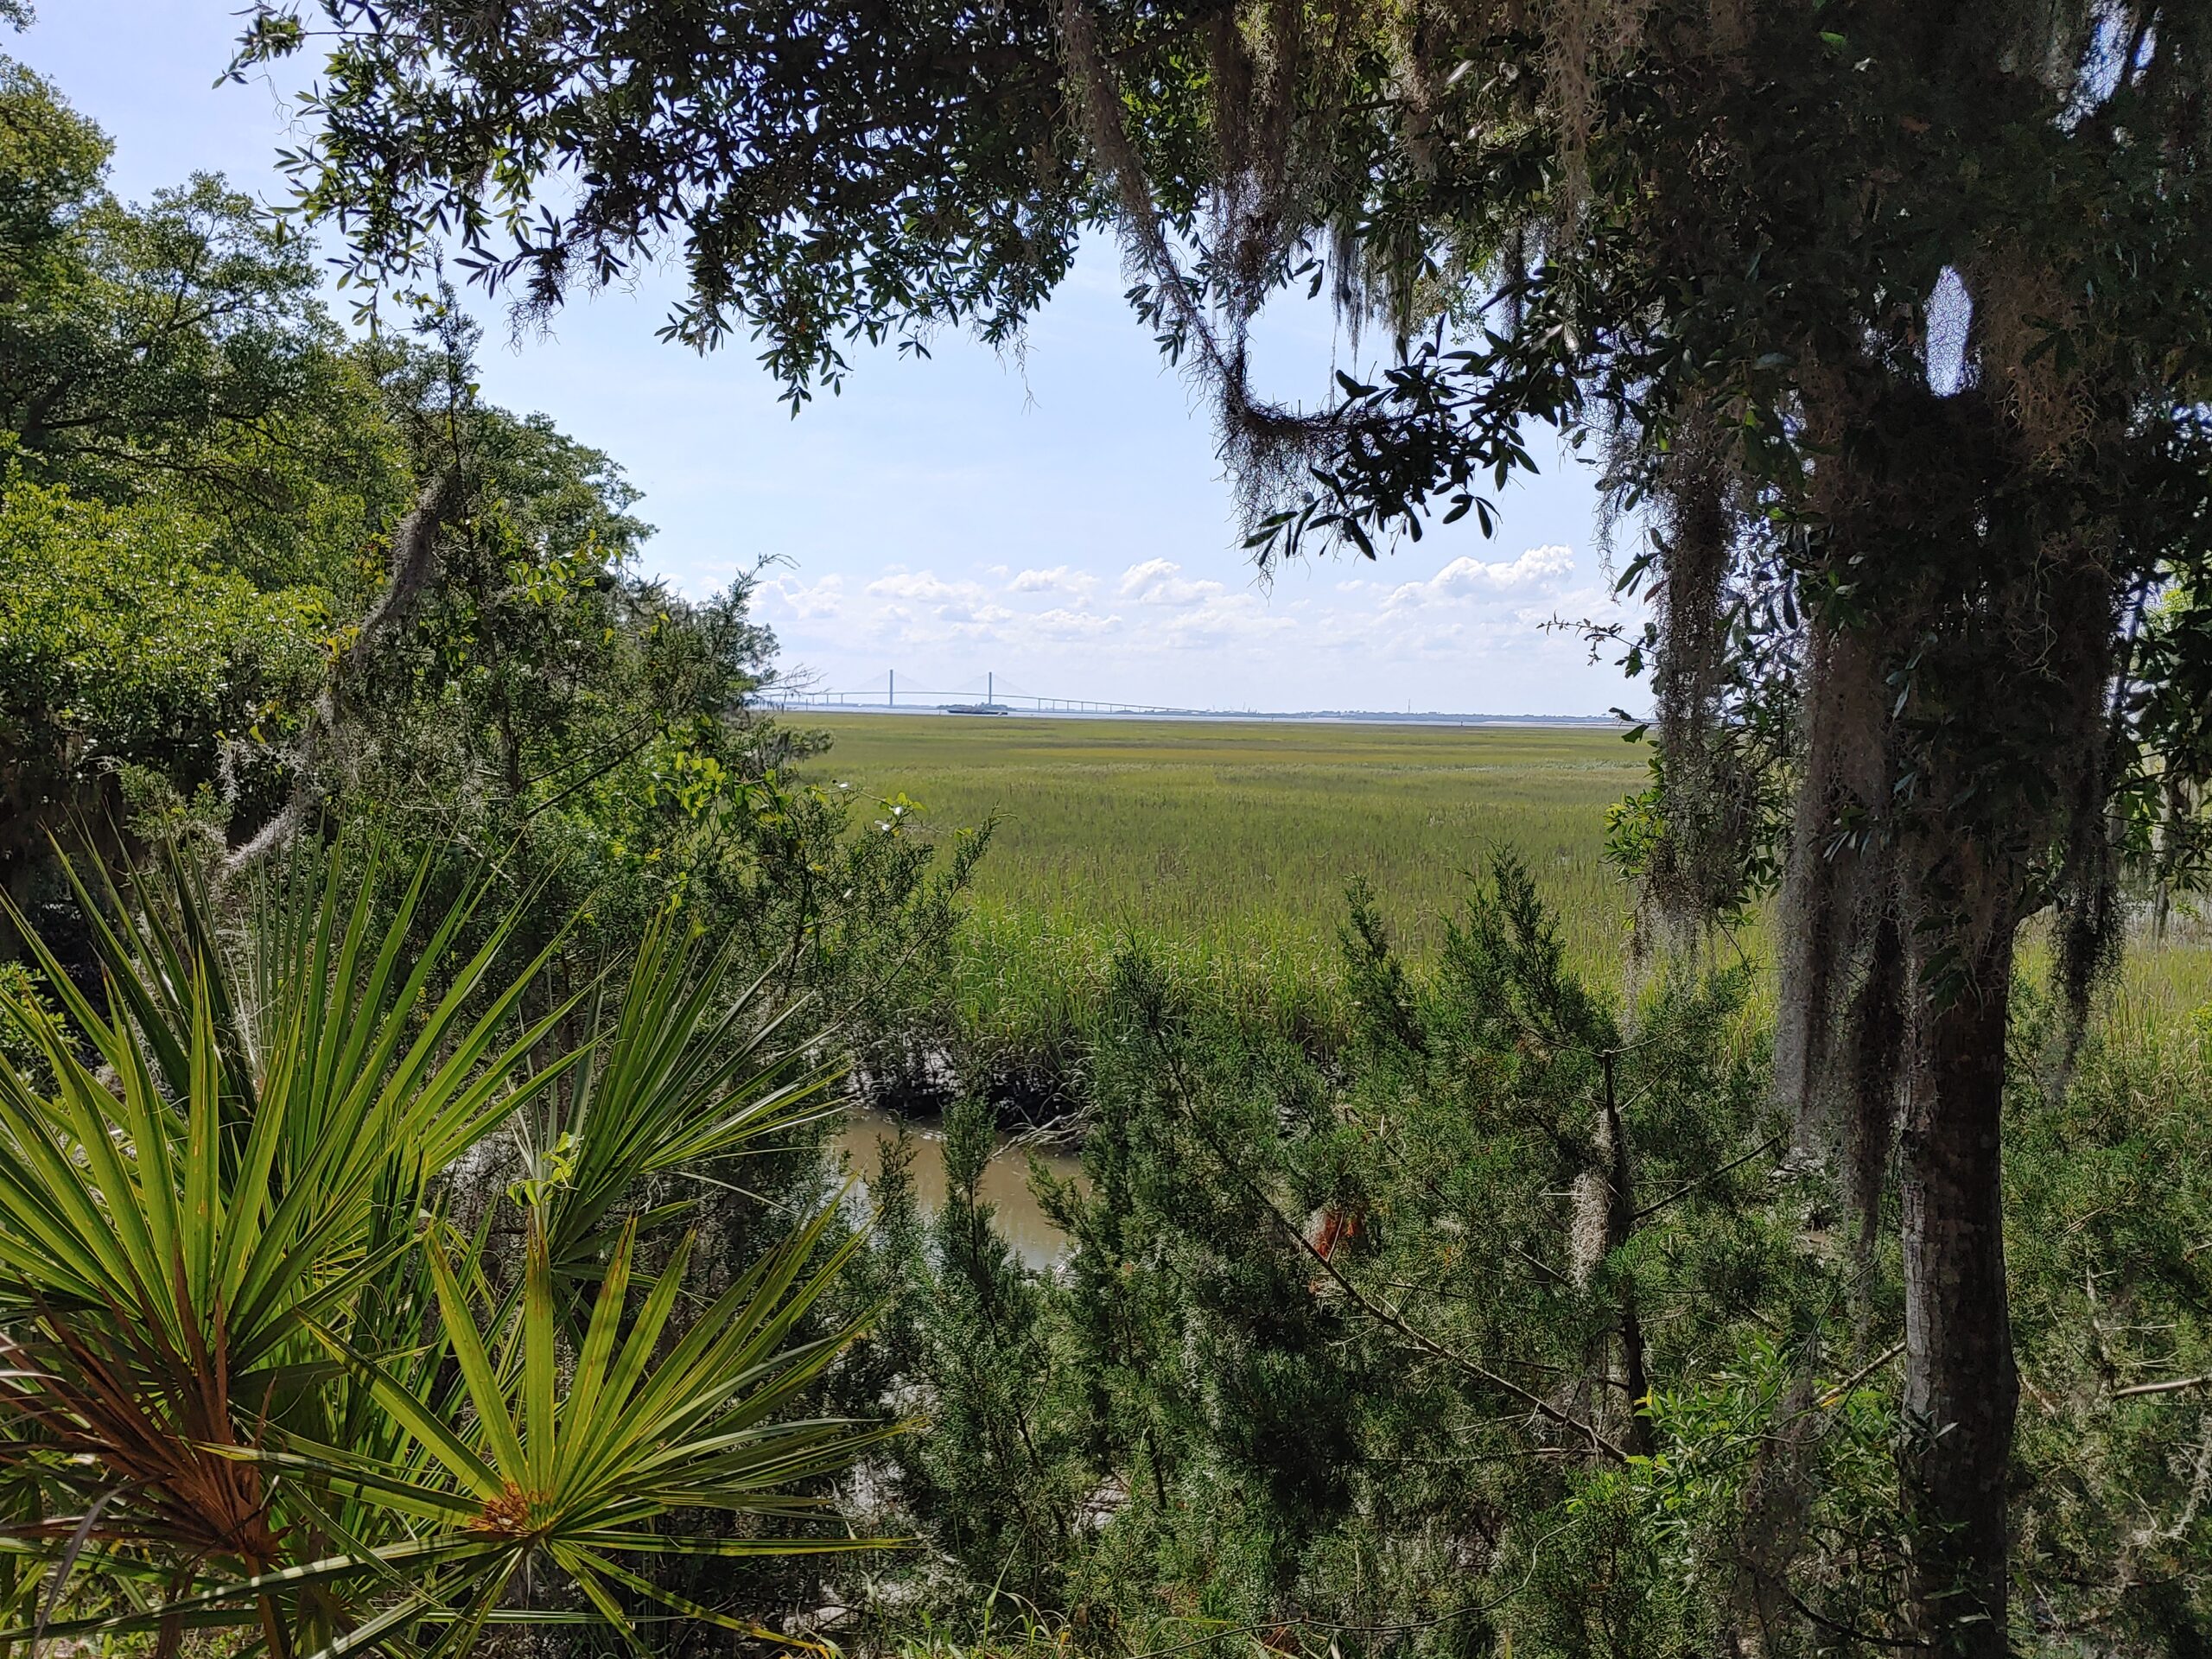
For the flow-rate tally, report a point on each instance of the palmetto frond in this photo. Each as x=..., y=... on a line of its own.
x=245, y=1366
x=579, y=1474
x=686, y=1074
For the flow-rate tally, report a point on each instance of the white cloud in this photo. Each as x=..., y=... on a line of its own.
x=1472, y=578
x=1224, y=619
x=1151, y=570
x=802, y=601
x=916, y=600
x=1073, y=625
x=1060, y=579
x=1161, y=582
x=927, y=588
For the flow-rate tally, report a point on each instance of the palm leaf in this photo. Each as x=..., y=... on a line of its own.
x=572, y=1475
x=689, y=1071
x=242, y=1360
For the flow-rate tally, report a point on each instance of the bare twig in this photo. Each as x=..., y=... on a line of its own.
x=1861, y=1375
x=1692, y=1185
x=2173, y=1386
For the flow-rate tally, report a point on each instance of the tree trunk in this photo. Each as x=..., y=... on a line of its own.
x=1620, y=1225
x=1960, y=1388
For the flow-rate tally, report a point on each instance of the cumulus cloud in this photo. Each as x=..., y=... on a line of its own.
x=1473, y=579
x=922, y=601
x=1073, y=625
x=1161, y=582
x=805, y=601
x=1151, y=570
x=927, y=588
x=1060, y=579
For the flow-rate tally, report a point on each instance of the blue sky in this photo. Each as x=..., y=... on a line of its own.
x=1060, y=520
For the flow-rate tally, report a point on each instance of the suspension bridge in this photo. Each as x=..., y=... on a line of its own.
x=994, y=699
x=985, y=695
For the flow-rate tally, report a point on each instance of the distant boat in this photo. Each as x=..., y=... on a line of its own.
x=974, y=708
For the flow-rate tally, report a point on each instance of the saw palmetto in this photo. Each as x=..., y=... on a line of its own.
x=249, y=1377
x=579, y=1467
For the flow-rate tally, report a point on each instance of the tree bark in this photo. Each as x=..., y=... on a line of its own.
x=1961, y=1390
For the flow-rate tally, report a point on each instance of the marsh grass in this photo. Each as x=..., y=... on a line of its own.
x=1241, y=836
x=1223, y=848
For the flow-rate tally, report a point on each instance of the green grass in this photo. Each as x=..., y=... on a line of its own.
x=1225, y=848
x=1240, y=838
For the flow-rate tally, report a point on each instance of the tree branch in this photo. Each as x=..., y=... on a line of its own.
x=1390, y=1316
x=2173, y=1386
x=414, y=555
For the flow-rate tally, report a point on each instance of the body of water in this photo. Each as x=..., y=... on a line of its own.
x=1006, y=1178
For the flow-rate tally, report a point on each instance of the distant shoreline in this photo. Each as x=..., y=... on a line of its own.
x=1313, y=717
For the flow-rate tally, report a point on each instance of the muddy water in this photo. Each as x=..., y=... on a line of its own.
x=1006, y=1178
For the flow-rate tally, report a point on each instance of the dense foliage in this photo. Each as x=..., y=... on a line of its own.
x=1516, y=1329
x=180, y=349
x=386, y=1261
x=1888, y=321
x=125, y=643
